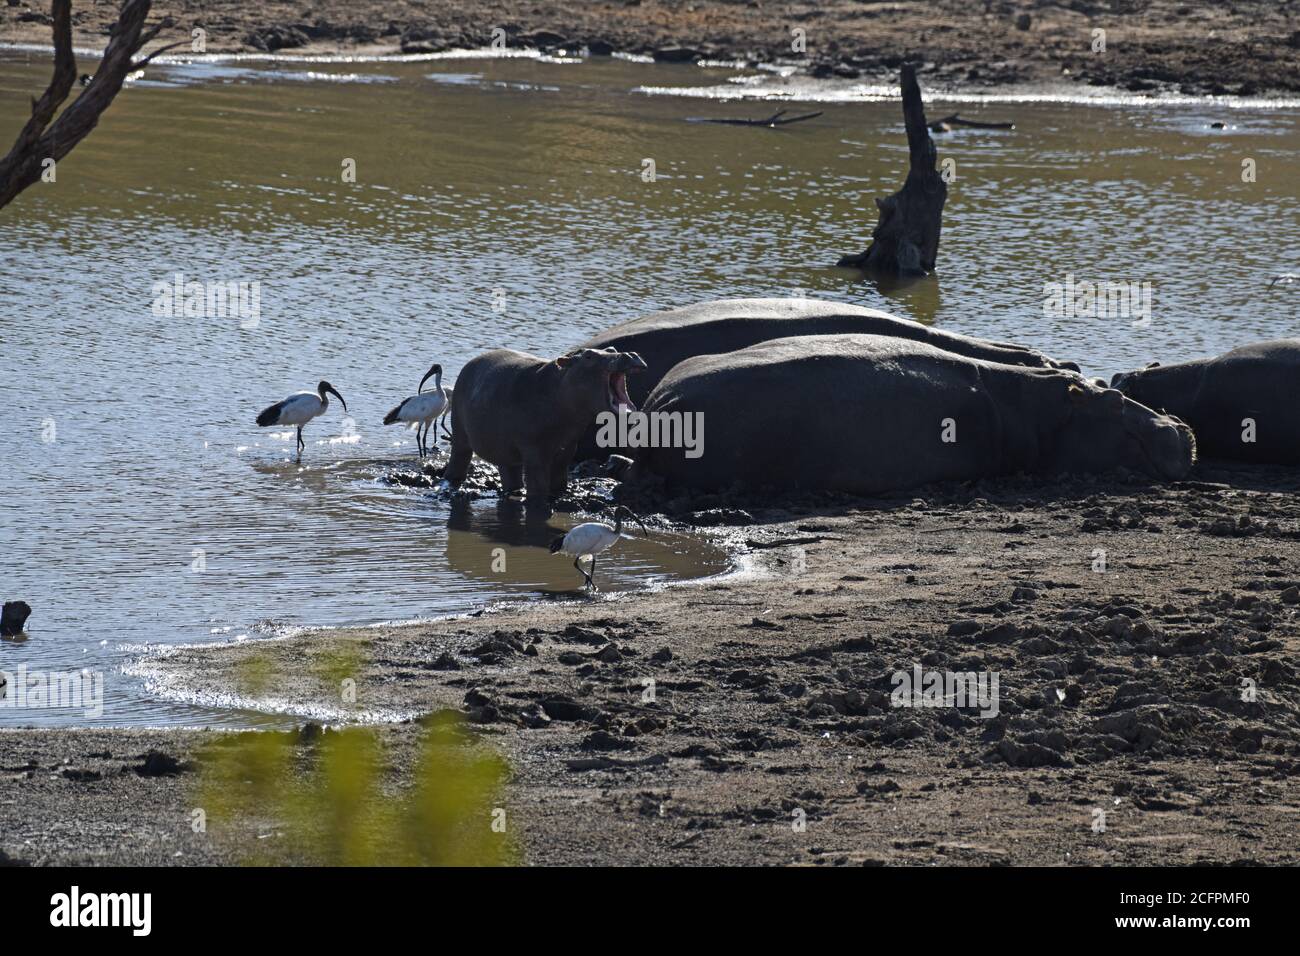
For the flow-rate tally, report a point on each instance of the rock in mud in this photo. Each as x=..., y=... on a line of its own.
x=275, y=38
x=158, y=764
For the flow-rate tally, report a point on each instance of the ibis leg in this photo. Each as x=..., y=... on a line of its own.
x=591, y=577
x=301, y=443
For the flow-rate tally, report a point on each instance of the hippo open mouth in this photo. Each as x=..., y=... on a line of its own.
x=616, y=389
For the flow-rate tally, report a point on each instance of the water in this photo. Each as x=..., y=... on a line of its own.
x=500, y=202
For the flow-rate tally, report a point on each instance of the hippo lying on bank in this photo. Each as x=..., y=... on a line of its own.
x=525, y=414
x=1243, y=405
x=665, y=338
x=867, y=414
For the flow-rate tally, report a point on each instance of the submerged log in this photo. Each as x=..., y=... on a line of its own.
x=948, y=122
x=772, y=121
x=45, y=139
x=906, y=239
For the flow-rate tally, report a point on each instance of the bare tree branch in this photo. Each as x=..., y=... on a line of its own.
x=141, y=63
x=44, y=137
x=771, y=122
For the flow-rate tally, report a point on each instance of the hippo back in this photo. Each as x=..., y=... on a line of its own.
x=867, y=414
x=816, y=413
x=665, y=338
x=1251, y=392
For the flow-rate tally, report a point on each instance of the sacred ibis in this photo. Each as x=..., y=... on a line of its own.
x=423, y=410
x=591, y=538
x=300, y=408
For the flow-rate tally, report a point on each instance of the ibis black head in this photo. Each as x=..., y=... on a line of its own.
x=623, y=511
x=435, y=370
x=557, y=545
x=13, y=617
x=324, y=387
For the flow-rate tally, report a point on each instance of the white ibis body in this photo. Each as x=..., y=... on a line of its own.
x=422, y=409
x=300, y=408
x=590, y=539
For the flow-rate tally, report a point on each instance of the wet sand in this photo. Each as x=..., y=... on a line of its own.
x=1120, y=690
x=1244, y=48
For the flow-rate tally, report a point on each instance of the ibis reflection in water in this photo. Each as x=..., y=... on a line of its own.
x=300, y=408
x=422, y=410
x=591, y=538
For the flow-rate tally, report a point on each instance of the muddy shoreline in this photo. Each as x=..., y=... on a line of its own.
x=1122, y=691
x=1247, y=48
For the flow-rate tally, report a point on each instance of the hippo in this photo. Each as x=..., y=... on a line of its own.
x=525, y=414
x=1243, y=405
x=870, y=414
x=665, y=338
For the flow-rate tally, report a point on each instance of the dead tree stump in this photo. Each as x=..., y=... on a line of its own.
x=906, y=239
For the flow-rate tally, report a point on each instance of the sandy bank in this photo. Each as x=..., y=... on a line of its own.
x=1120, y=691
x=1243, y=48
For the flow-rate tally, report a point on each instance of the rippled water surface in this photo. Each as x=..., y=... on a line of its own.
x=500, y=203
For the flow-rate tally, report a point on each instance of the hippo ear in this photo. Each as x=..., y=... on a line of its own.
x=564, y=361
x=1153, y=365
x=1114, y=399
x=1076, y=392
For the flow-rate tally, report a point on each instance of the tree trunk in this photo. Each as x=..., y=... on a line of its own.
x=906, y=239
x=41, y=139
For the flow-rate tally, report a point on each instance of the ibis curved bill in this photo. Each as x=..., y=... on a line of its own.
x=300, y=408
x=591, y=538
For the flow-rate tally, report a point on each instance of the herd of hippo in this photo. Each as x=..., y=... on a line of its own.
x=808, y=395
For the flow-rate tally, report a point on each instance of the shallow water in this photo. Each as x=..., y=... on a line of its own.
x=500, y=202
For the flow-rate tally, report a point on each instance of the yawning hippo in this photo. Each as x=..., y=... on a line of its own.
x=525, y=414
x=1243, y=405
x=868, y=414
x=665, y=338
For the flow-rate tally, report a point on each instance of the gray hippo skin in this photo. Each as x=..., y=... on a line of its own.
x=525, y=414
x=665, y=338
x=867, y=414
x=1215, y=395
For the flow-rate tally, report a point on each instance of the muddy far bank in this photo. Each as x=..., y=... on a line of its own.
x=1244, y=48
x=1144, y=640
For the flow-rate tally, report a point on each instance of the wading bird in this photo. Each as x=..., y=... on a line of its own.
x=300, y=408
x=423, y=410
x=591, y=538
